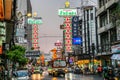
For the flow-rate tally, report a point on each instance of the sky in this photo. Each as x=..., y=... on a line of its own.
x=48, y=10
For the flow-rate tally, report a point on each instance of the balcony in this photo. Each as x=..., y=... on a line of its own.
x=100, y=10
x=110, y=3
x=105, y=28
x=106, y=6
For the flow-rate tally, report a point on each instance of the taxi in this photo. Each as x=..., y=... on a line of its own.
x=36, y=76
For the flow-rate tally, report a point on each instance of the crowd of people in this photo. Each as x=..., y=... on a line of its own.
x=108, y=72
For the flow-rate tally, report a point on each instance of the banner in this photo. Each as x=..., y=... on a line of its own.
x=1, y=10
x=8, y=9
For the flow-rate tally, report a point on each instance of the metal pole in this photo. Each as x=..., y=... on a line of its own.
x=93, y=48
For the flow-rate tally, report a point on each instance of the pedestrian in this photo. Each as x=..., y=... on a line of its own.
x=105, y=73
x=99, y=70
x=111, y=75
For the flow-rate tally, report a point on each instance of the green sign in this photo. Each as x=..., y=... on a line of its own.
x=67, y=12
x=34, y=21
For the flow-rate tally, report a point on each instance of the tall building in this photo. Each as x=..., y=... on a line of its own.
x=23, y=31
x=89, y=29
x=108, y=30
x=88, y=32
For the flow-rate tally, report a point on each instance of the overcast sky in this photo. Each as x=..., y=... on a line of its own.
x=47, y=9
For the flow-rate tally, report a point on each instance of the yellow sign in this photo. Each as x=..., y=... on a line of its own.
x=67, y=4
x=87, y=61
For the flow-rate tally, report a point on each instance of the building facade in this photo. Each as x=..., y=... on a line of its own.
x=89, y=29
x=23, y=35
x=108, y=30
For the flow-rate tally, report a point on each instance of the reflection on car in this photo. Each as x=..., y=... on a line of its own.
x=69, y=69
x=36, y=76
x=77, y=70
x=21, y=75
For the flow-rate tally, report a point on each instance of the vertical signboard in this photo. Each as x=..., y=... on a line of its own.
x=75, y=25
x=1, y=10
x=68, y=34
x=35, y=22
x=8, y=9
x=35, y=36
x=67, y=13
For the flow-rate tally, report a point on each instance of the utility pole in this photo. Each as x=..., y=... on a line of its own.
x=93, y=54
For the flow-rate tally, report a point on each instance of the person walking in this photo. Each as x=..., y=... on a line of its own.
x=99, y=70
x=105, y=72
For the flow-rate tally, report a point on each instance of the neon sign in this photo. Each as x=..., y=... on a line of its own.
x=67, y=12
x=34, y=21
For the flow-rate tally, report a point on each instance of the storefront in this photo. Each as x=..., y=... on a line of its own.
x=85, y=60
x=116, y=55
x=115, y=60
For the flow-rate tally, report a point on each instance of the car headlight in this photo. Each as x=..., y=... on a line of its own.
x=53, y=70
x=66, y=70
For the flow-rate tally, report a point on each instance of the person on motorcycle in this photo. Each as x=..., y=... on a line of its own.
x=111, y=75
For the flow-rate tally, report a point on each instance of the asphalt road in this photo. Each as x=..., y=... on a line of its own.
x=71, y=76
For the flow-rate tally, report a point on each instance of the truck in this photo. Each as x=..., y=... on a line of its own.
x=58, y=67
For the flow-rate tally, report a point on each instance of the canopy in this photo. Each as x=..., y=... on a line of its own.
x=115, y=56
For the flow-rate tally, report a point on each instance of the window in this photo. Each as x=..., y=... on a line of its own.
x=113, y=36
x=104, y=41
x=111, y=10
x=91, y=16
x=103, y=20
x=101, y=3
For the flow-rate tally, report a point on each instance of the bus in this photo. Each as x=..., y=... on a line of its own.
x=58, y=67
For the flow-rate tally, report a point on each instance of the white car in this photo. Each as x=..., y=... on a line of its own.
x=21, y=75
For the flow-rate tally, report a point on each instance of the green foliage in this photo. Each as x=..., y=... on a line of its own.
x=16, y=54
x=116, y=15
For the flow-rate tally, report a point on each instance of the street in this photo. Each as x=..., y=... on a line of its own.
x=71, y=76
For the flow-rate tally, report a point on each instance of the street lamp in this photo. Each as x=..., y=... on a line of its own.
x=93, y=54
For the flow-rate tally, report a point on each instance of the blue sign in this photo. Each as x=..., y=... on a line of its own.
x=75, y=25
x=77, y=41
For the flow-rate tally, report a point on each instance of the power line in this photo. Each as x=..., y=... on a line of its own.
x=50, y=36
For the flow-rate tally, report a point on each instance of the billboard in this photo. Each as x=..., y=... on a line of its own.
x=77, y=41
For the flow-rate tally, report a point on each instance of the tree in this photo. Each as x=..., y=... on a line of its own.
x=115, y=15
x=16, y=54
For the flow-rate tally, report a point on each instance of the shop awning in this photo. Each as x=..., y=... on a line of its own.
x=115, y=56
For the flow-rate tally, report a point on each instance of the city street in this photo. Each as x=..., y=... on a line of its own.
x=71, y=76
x=59, y=40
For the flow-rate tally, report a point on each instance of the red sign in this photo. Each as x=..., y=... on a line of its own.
x=58, y=44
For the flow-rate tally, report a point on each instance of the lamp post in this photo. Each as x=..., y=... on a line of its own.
x=93, y=54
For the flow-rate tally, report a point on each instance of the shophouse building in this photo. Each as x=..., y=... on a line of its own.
x=23, y=31
x=89, y=35
x=108, y=30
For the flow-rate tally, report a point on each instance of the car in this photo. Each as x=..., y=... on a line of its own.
x=36, y=69
x=21, y=75
x=69, y=70
x=77, y=70
x=36, y=76
x=50, y=70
